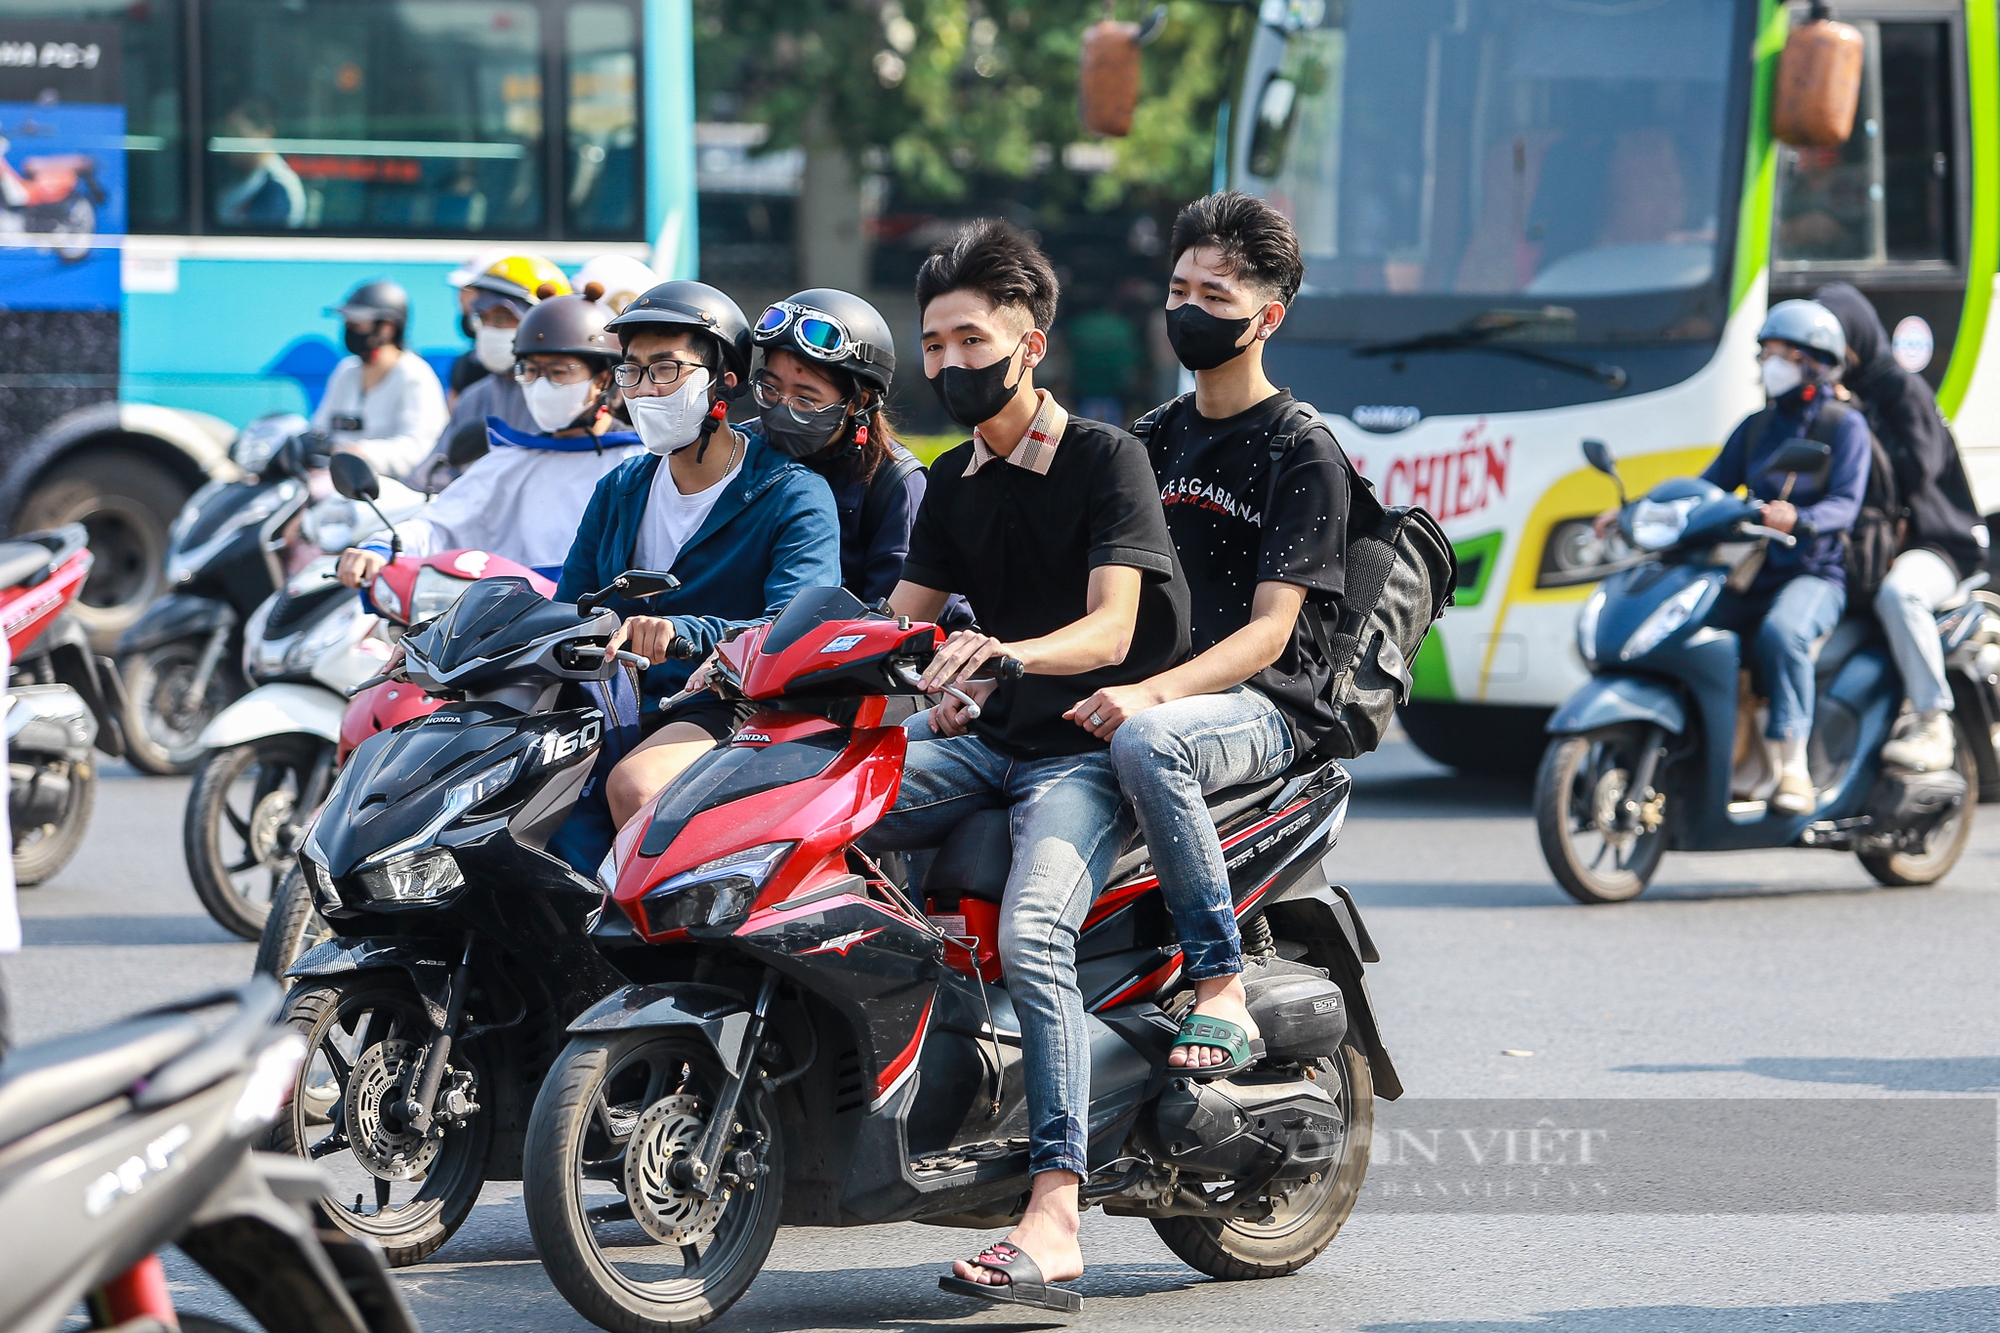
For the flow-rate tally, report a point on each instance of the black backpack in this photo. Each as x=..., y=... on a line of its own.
x=1400, y=573
x=884, y=487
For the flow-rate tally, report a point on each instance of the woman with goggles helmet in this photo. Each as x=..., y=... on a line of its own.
x=828, y=360
x=741, y=525
x=524, y=498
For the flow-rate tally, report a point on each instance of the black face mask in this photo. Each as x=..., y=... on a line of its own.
x=972, y=396
x=364, y=342
x=1201, y=340
x=793, y=438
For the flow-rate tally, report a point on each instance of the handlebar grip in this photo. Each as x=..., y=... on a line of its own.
x=1007, y=668
x=681, y=650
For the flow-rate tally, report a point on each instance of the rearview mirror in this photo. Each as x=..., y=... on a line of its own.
x=633, y=583
x=1819, y=82
x=1598, y=454
x=1799, y=456
x=352, y=477
x=468, y=445
x=1108, y=73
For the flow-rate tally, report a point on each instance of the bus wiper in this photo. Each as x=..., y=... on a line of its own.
x=1489, y=331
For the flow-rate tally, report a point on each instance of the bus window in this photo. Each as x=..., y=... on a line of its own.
x=601, y=194
x=1886, y=195
x=151, y=69
x=388, y=117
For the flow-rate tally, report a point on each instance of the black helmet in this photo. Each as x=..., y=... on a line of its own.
x=572, y=325
x=686, y=304
x=373, y=302
x=829, y=327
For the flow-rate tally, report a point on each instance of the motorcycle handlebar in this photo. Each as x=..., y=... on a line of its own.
x=909, y=676
x=1770, y=534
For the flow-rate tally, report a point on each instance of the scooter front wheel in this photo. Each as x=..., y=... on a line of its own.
x=1580, y=791
x=626, y=1242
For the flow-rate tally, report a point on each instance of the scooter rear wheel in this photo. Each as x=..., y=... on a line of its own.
x=604, y=1099
x=1901, y=870
x=1302, y=1222
x=1577, y=792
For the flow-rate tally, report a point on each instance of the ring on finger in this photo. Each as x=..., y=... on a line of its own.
x=1096, y=721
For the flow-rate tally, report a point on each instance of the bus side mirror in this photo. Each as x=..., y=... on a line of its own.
x=1819, y=82
x=1108, y=74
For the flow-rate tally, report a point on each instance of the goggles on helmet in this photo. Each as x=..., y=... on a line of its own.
x=814, y=332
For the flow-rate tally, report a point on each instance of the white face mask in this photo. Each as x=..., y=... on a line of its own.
x=1781, y=375
x=671, y=423
x=554, y=406
x=493, y=348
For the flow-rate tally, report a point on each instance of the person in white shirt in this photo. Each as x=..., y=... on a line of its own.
x=384, y=401
x=524, y=498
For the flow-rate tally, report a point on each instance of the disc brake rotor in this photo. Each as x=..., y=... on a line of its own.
x=1605, y=800
x=268, y=823
x=670, y=1128
x=381, y=1080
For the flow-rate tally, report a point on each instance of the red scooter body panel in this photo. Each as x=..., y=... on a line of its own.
x=25, y=612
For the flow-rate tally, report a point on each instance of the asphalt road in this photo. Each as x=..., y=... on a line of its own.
x=1783, y=975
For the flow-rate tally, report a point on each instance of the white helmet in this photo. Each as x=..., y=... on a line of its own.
x=478, y=264
x=621, y=276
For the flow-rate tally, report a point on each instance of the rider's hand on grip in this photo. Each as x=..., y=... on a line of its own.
x=651, y=637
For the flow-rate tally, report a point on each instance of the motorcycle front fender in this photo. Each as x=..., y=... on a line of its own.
x=428, y=967
x=721, y=1017
x=277, y=710
x=1607, y=701
x=178, y=615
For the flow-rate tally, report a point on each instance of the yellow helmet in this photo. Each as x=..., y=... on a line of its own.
x=522, y=277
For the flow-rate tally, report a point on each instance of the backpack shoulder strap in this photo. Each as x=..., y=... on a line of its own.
x=1146, y=426
x=1826, y=423
x=1302, y=420
x=883, y=488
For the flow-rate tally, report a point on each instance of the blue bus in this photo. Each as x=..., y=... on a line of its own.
x=185, y=185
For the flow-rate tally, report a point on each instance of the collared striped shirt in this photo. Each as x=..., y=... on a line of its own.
x=1037, y=449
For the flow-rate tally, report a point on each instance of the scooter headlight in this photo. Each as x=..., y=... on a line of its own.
x=1666, y=618
x=1658, y=524
x=420, y=877
x=1586, y=627
x=715, y=893
x=330, y=633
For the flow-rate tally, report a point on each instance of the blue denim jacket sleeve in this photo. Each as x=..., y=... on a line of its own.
x=805, y=553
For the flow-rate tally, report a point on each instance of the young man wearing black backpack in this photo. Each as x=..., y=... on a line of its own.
x=1258, y=497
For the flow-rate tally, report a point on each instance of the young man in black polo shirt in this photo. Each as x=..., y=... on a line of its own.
x=1051, y=527
x=1254, y=549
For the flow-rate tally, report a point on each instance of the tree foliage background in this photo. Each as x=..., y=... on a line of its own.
x=953, y=92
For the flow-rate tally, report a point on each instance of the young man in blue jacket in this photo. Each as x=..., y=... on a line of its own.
x=741, y=526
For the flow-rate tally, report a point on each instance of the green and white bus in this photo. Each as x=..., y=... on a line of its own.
x=221, y=171
x=1531, y=222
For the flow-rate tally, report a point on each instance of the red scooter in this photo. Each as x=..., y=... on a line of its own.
x=57, y=194
x=816, y=1043
x=62, y=700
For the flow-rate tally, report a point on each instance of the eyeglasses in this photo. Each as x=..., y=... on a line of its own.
x=803, y=409
x=563, y=372
x=666, y=374
x=818, y=334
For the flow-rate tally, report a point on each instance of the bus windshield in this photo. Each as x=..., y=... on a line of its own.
x=1518, y=152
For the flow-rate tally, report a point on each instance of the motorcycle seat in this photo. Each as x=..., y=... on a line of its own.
x=979, y=852
x=53, y=1080
x=23, y=564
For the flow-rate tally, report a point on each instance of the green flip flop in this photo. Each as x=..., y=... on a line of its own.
x=1242, y=1049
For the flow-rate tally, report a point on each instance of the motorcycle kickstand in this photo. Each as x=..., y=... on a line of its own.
x=700, y=1169
x=417, y=1110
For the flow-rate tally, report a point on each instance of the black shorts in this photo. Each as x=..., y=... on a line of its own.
x=720, y=718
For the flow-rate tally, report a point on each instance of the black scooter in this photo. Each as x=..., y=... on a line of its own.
x=117, y=1143
x=181, y=660
x=460, y=944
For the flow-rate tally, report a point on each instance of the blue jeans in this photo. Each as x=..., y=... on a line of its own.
x=1793, y=619
x=1069, y=824
x=1168, y=758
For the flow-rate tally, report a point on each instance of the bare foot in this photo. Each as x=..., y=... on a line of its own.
x=1047, y=1234
x=1218, y=997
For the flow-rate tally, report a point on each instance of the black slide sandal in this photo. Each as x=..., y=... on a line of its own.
x=1024, y=1284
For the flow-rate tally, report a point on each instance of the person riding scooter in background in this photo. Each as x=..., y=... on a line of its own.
x=469, y=369
x=1798, y=593
x=383, y=401
x=523, y=499
x=501, y=298
x=1944, y=541
x=743, y=527
x=828, y=361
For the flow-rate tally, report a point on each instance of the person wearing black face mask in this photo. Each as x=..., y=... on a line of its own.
x=1263, y=542
x=382, y=402
x=828, y=361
